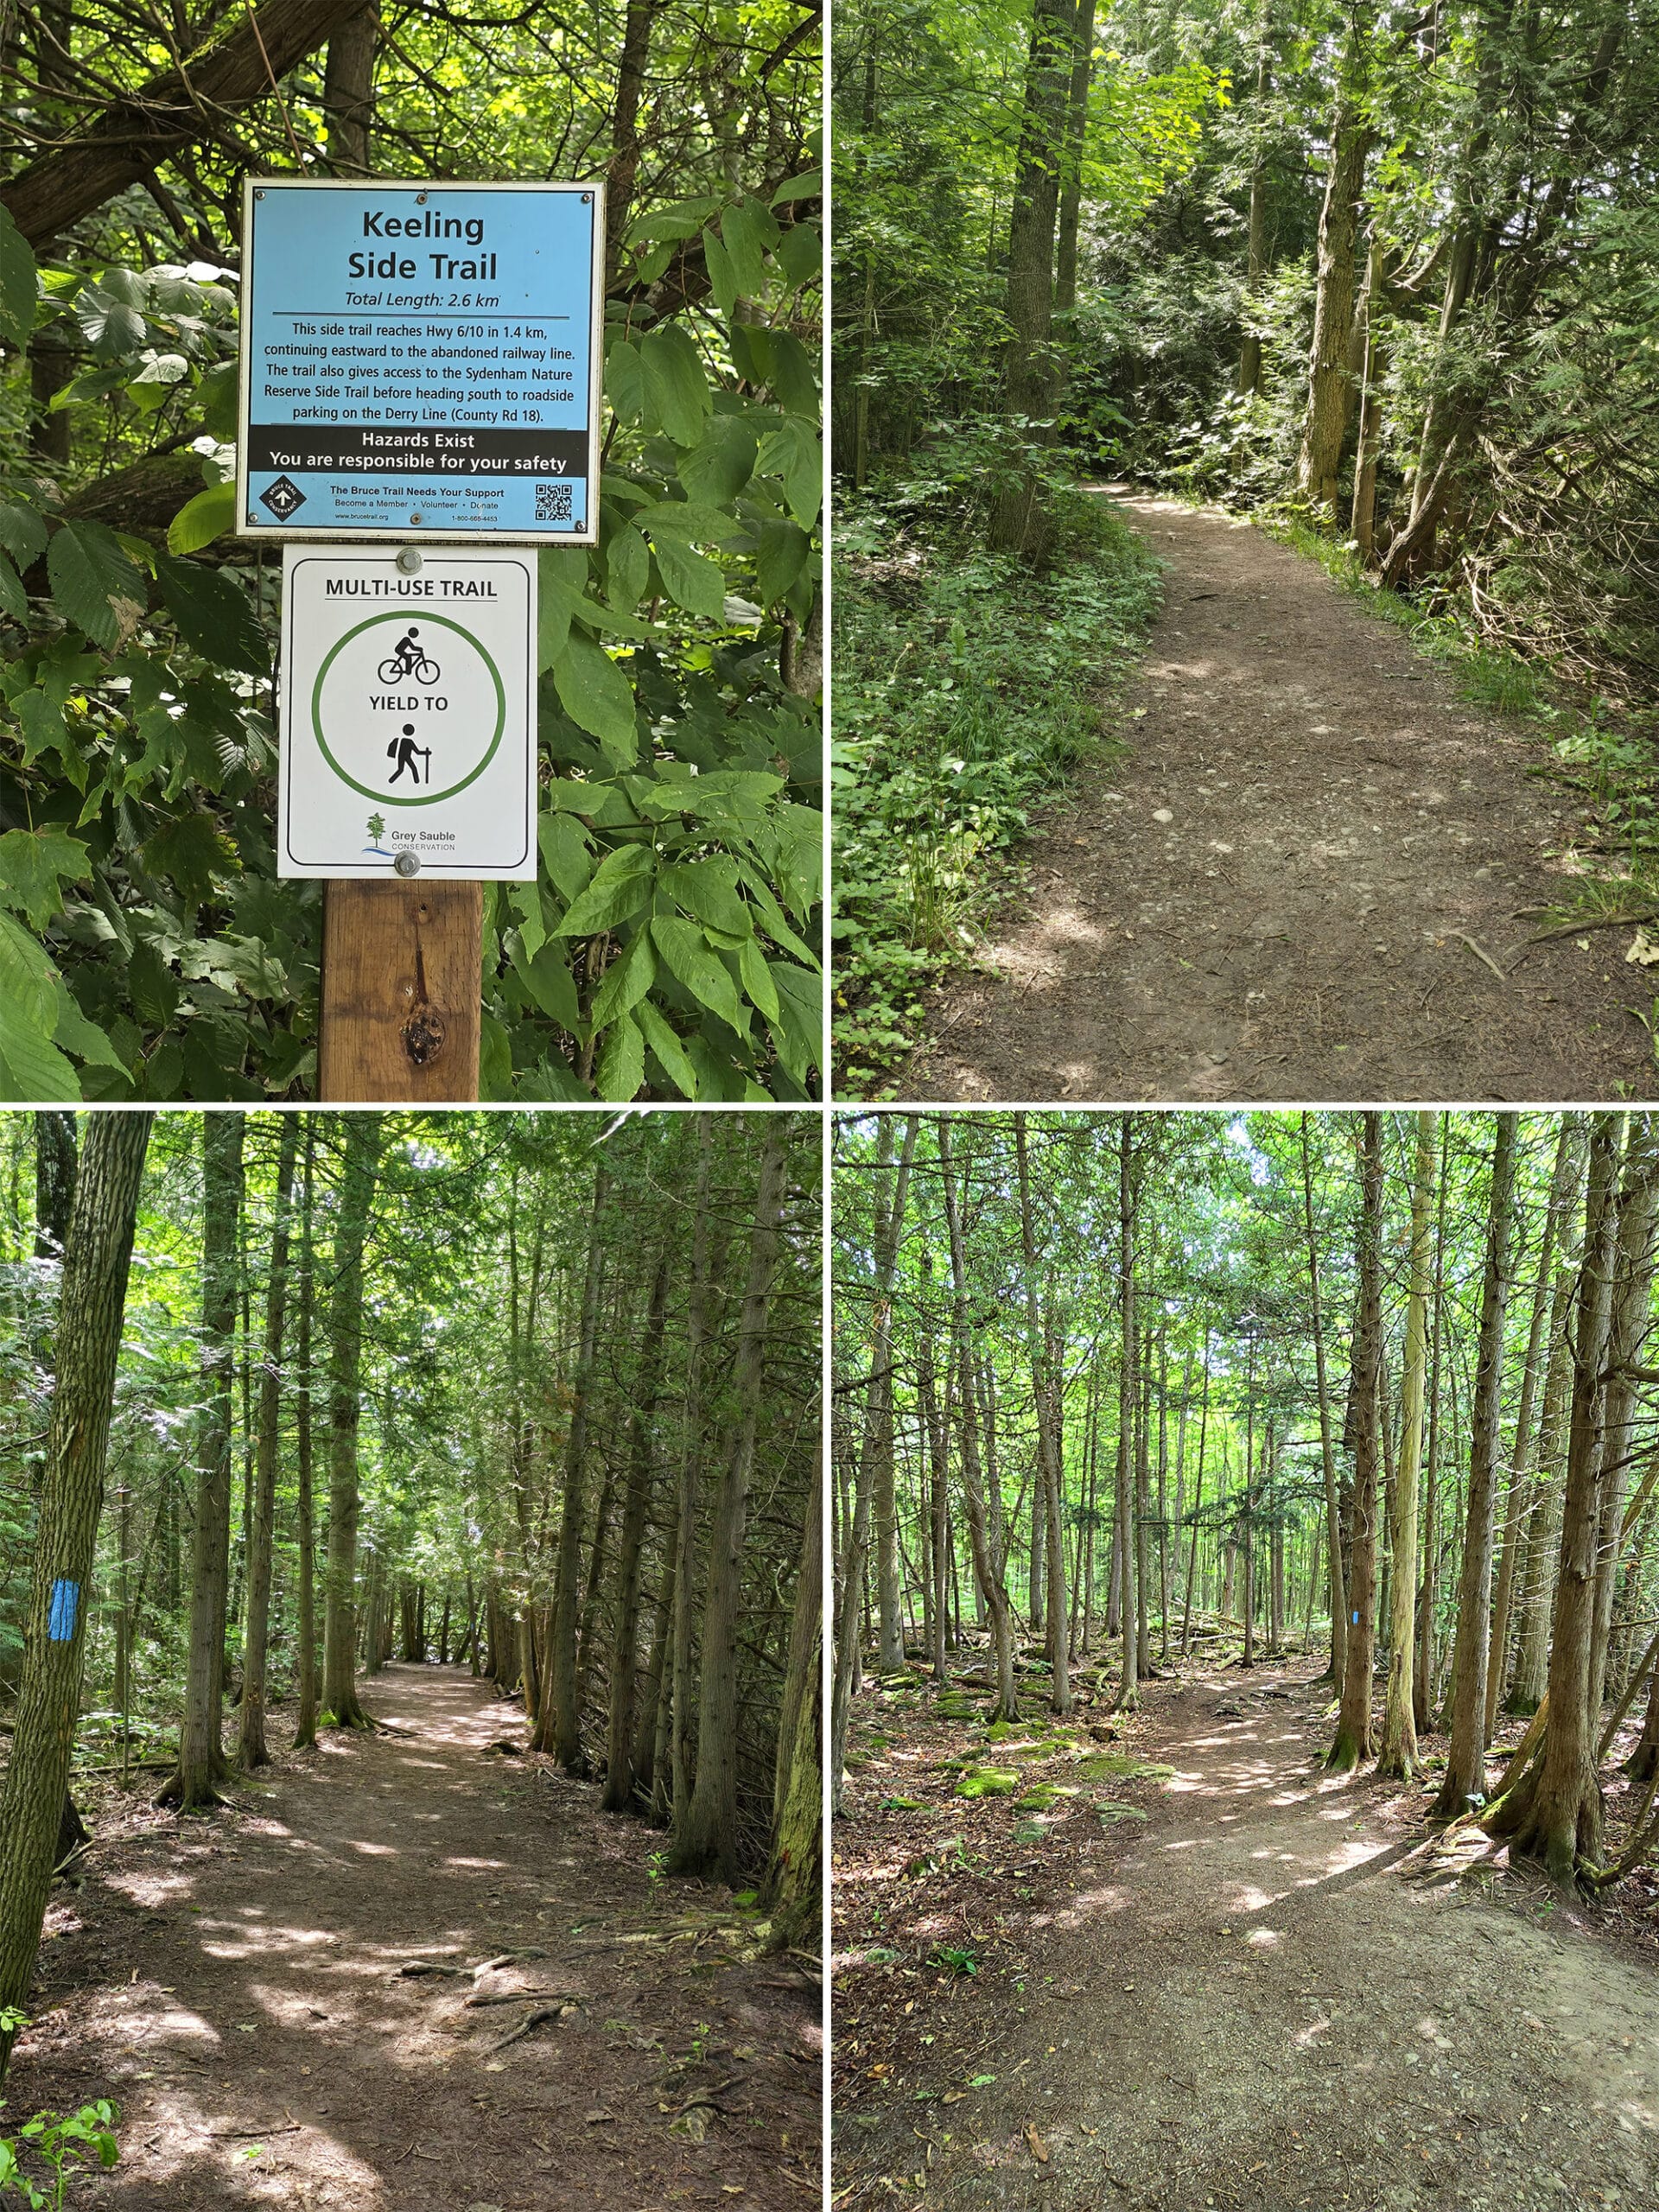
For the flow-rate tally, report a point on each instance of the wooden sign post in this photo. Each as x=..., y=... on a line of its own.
x=400, y=993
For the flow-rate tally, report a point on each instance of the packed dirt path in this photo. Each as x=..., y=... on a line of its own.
x=1247, y=1998
x=1285, y=889
x=235, y=1983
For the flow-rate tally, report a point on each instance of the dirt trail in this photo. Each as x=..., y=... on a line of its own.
x=234, y=1984
x=1243, y=2002
x=1272, y=896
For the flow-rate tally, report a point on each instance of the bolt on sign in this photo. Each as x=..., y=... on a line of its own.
x=407, y=717
x=420, y=361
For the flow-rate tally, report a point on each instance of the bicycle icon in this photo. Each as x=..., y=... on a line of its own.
x=409, y=659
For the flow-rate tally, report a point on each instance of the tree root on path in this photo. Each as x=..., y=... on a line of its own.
x=538, y=2018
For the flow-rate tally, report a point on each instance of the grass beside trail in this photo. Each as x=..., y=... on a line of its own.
x=1606, y=750
x=968, y=693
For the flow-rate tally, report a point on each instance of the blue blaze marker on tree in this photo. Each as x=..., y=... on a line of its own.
x=65, y=1603
x=1355, y=1620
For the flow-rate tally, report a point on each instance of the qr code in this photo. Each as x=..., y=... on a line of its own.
x=553, y=502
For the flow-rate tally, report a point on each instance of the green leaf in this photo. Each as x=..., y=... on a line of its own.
x=22, y=533
x=549, y=981
x=799, y=1032
x=153, y=986
x=708, y=890
x=757, y=978
x=75, y=1034
x=622, y=1063
x=93, y=582
x=191, y=852
x=18, y=286
x=626, y=980
x=495, y=1058
x=552, y=610
x=792, y=379
x=785, y=547
x=808, y=185
x=110, y=326
x=213, y=614
x=200, y=520
x=596, y=695
x=565, y=854
x=801, y=251
x=716, y=468
x=34, y=864
x=675, y=387
x=31, y=1066
x=627, y=568
x=749, y=230
x=691, y=960
x=792, y=453
x=676, y=1064
x=622, y=885
x=691, y=580
x=722, y=276
x=14, y=600
x=216, y=396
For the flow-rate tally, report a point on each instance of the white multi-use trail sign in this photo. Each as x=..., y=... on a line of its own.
x=408, y=712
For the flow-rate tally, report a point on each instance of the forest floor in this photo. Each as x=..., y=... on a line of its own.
x=1212, y=1976
x=237, y=1984
x=1292, y=883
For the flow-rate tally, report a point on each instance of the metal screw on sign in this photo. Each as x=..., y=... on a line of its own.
x=409, y=560
x=420, y=200
x=407, y=864
x=258, y=195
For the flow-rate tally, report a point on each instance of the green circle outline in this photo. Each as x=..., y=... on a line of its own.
x=385, y=798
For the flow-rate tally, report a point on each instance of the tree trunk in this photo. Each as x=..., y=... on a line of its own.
x=91, y=1312
x=1327, y=1456
x=793, y=1876
x=686, y=1507
x=1556, y=1808
x=558, y=1729
x=201, y=1753
x=1399, y=1755
x=642, y=1452
x=1353, y=1738
x=348, y=91
x=1076, y=126
x=1018, y=523
x=305, y=1726
x=1129, y=1691
x=1464, y=1781
x=706, y=1840
x=365, y=1135
x=252, y=1748
x=1330, y=387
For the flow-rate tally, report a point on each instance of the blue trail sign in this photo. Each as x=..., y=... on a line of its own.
x=420, y=361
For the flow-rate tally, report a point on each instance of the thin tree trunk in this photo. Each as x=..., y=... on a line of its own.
x=1398, y=1754
x=365, y=1135
x=1352, y=1742
x=253, y=1751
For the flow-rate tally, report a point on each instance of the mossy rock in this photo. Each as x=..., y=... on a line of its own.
x=989, y=1781
x=1120, y=1766
x=1111, y=1811
x=953, y=1706
x=1041, y=1796
x=903, y=1805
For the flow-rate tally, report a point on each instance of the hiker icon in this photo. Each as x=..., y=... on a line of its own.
x=406, y=753
x=409, y=659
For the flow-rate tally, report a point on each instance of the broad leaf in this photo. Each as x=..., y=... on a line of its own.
x=93, y=584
